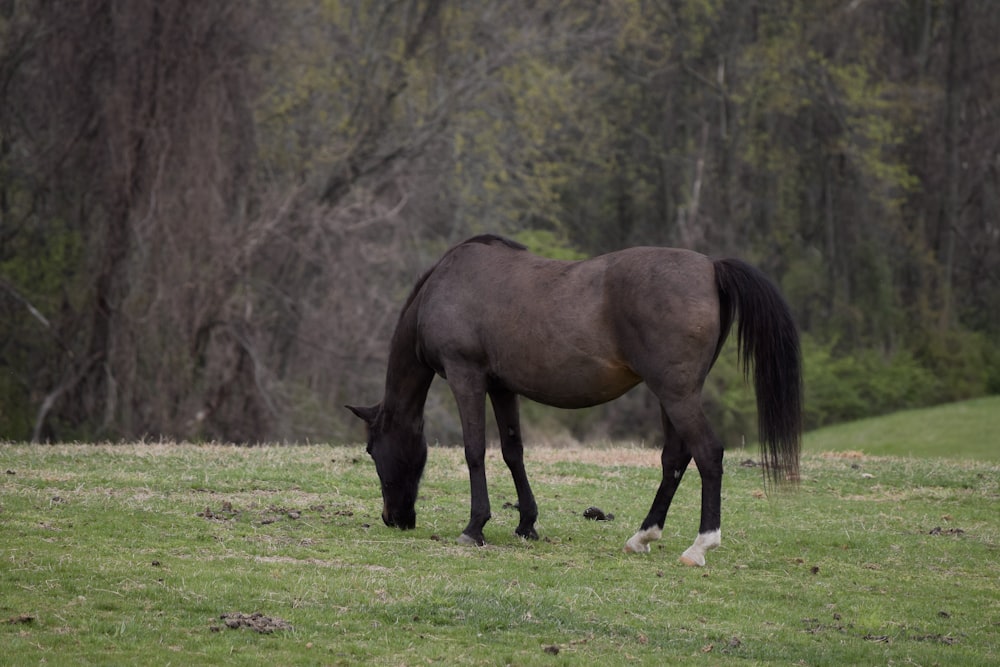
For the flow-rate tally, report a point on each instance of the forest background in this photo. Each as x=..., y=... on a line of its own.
x=211, y=212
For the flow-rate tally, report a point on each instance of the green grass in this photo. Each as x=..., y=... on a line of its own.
x=109, y=557
x=967, y=430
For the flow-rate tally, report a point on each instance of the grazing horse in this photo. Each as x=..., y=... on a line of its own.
x=495, y=320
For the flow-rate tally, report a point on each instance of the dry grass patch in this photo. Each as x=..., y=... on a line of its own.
x=642, y=457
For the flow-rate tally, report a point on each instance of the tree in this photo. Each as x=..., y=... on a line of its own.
x=137, y=125
x=212, y=212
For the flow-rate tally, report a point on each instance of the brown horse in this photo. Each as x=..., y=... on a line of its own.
x=495, y=320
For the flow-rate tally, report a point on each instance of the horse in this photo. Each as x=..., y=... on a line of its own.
x=494, y=320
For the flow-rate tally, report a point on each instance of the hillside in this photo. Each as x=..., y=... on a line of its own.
x=966, y=430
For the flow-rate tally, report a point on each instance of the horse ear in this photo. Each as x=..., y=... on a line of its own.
x=366, y=414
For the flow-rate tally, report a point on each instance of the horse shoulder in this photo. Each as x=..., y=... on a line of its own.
x=451, y=302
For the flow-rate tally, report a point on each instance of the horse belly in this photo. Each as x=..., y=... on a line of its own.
x=572, y=383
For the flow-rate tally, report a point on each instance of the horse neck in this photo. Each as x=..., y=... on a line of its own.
x=407, y=378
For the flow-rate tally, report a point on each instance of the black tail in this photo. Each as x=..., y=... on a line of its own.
x=769, y=343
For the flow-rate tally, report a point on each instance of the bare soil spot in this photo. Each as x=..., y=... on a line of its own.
x=225, y=513
x=20, y=619
x=272, y=513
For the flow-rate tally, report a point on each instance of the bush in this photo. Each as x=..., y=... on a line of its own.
x=946, y=367
x=729, y=400
x=863, y=383
x=964, y=363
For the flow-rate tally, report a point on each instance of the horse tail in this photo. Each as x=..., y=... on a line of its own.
x=767, y=343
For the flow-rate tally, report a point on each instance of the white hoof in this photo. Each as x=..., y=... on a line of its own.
x=694, y=556
x=639, y=543
x=467, y=541
x=693, y=559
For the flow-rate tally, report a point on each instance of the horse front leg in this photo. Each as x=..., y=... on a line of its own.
x=469, y=389
x=674, y=461
x=509, y=424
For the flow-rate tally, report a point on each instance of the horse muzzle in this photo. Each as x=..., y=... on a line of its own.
x=406, y=521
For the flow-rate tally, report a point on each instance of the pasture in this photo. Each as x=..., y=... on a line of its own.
x=966, y=430
x=132, y=554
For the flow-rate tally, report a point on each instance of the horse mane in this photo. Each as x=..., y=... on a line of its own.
x=485, y=239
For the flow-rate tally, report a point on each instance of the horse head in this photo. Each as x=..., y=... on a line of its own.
x=400, y=455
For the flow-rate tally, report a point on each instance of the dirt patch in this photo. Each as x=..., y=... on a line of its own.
x=272, y=513
x=813, y=626
x=256, y=621
x=224, y=513
x=20, y=619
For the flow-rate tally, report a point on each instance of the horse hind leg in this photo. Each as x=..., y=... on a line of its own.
x=691, y=423
x=509, y=424
x=687, y=435
x=674, y=460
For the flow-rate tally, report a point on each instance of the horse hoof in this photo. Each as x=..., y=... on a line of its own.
x=639, y=543
x=694, y=555
x=693, y=561
x=530, y=534
x=469, y=541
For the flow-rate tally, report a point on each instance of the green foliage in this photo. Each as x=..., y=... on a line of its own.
x=862, y=384
x=729, y=400
x=964, y=363
x=521, y=143
x=40, y=283
x=548, y=244
x=843, y=387
x=991, y=364
x=846, y=150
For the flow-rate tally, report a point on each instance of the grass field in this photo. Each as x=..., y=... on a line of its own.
x=967, y=430
x=131, y=554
